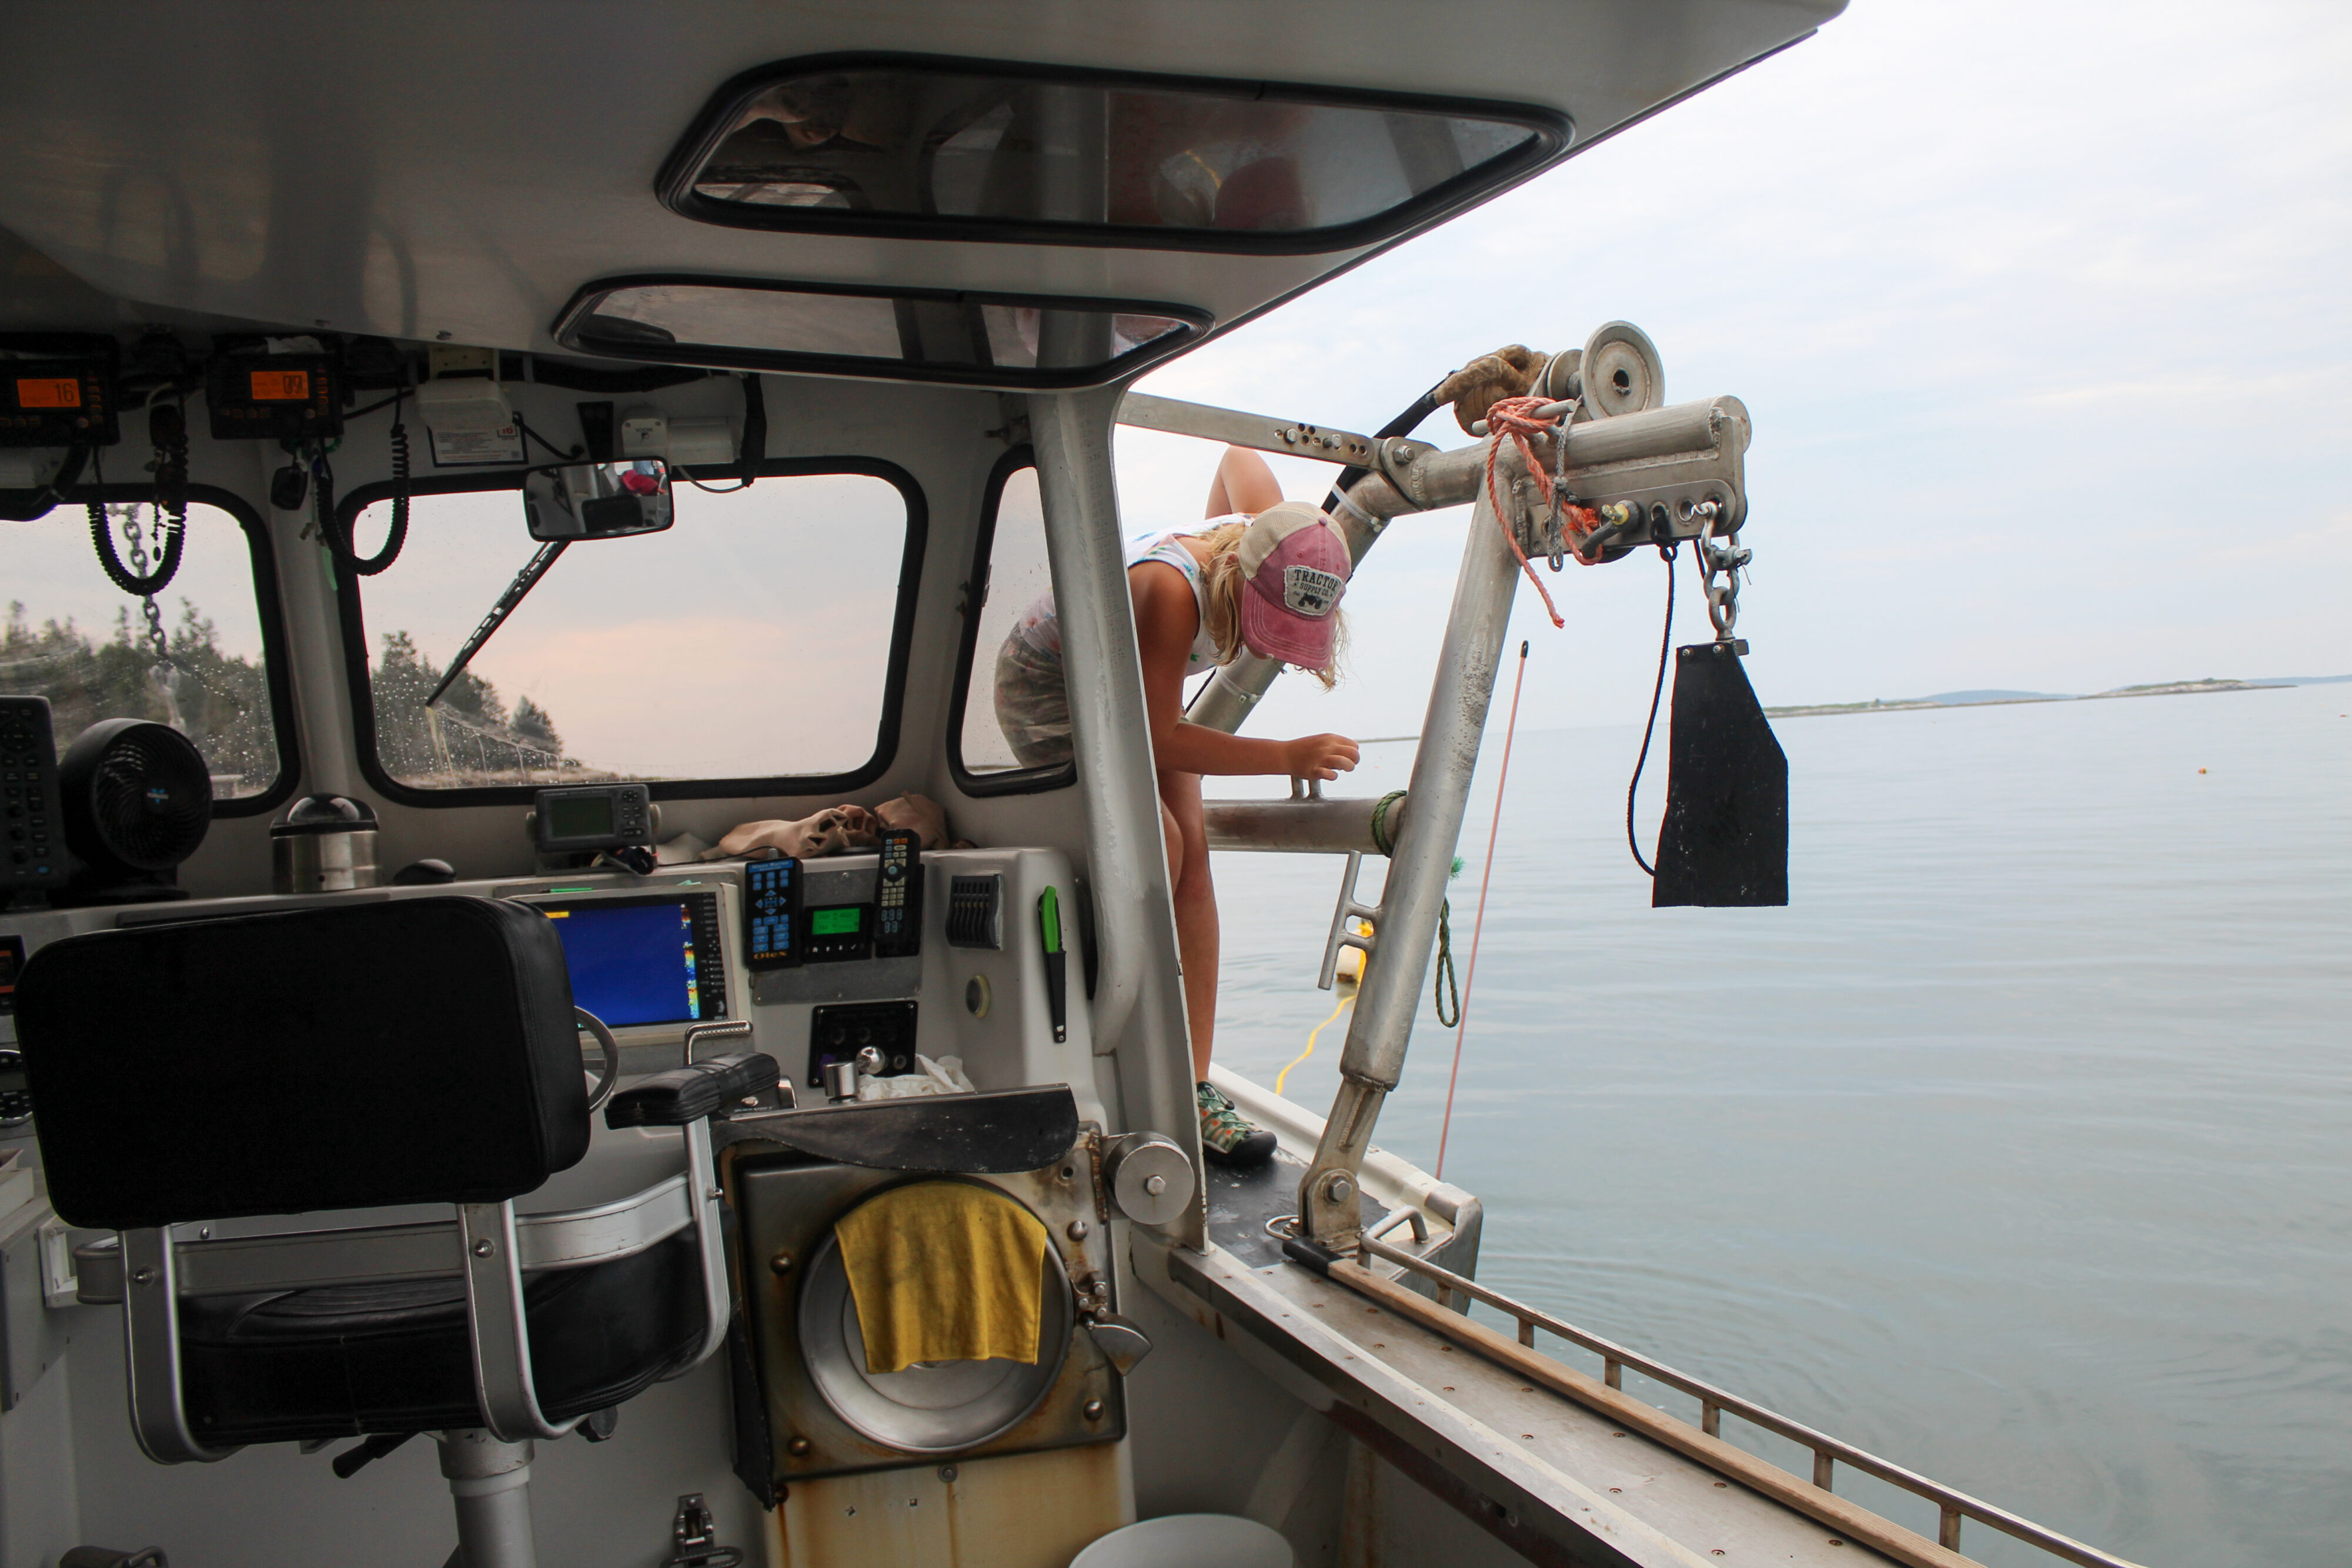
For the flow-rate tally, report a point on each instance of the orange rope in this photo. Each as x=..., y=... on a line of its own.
x=1515, y=417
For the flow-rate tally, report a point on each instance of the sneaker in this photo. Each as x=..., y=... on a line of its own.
x=1226, y=1136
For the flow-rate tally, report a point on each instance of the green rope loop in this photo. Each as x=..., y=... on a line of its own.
x=1445, y=983
x=1444, y=990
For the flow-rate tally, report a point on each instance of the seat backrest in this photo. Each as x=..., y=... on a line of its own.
x=409, y=1050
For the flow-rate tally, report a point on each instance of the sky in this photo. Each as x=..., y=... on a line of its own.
x=2043, y=313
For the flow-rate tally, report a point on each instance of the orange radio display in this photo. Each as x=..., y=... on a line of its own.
x=282, y=386
x=48, y=391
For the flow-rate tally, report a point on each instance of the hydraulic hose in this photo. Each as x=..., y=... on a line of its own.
x=1405, y=424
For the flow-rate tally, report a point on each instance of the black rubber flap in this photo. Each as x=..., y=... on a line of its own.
x=1724, y=840
x=413, y=1050
x=993, y=1134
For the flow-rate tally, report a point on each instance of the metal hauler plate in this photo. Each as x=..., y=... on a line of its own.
x=930, y=1407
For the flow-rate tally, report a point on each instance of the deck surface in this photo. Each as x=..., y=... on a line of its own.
x=1241, y=1202
x=1637, y=1496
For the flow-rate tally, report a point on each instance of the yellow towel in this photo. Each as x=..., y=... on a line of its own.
x=944, y=1270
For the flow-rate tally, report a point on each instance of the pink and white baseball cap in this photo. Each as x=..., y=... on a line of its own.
x=1295, y=567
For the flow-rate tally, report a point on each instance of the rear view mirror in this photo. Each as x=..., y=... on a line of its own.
x=598, y=500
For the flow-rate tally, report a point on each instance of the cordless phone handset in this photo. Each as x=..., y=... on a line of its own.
x=899, y=895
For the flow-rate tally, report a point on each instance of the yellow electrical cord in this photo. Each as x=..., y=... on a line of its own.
x=1345, y=1003
x=1351, y=974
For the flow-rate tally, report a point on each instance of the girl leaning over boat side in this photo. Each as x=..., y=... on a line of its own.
x=1264, y=574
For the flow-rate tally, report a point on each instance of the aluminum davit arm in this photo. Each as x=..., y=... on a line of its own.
x=1658, y=466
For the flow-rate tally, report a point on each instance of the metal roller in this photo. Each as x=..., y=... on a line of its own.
x=1620, y=373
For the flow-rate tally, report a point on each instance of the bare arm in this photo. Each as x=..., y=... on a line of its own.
x=1244, y=483
x=1166, y=617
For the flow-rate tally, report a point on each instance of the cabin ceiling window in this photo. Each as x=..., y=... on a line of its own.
x=756, y=646
x=926, y=335
x=921, y=145
x=72, y=636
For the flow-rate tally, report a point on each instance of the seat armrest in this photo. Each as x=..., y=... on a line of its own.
x=688, y=1094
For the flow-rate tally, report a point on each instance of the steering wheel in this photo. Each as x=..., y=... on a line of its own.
x=611, y=1077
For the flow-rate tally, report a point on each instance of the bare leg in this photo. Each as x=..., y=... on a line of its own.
x=1244, y=483
x=1196, y=908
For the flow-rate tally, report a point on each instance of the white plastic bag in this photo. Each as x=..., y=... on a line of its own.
x=944, y=1076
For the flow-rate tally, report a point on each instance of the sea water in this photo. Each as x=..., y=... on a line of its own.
x=2017, y=1149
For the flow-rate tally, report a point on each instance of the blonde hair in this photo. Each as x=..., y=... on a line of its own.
x=1223, y=577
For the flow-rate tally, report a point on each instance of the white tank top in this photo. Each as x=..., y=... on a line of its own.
x=1169, y=548
x=1041, y=628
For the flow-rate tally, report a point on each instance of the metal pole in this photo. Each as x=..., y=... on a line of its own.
x=322, y=701
x=1309, y=827
x=490, y=1483
x=1654, y=455
x=1431, y=479
x=1139, y=1007
x=1328, y=1198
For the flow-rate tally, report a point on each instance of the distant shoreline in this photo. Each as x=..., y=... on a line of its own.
x=1907, y=705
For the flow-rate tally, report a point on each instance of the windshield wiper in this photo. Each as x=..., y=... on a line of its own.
x=525, y=581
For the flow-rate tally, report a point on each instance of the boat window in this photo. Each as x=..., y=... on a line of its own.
x=999, y=340
x=913, y=145
x=75, y=638
x=1013, y=712
x=754, y=645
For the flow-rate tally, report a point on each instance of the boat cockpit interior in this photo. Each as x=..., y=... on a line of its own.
x=542, y=1016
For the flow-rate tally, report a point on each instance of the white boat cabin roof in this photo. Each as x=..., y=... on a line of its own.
x=449, y=171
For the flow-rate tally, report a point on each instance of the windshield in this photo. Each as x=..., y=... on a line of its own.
x=751, y=640
x=75, y=638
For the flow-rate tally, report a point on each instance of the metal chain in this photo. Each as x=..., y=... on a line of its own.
x=165, y=673
x=1725, y=560
x=136, y=539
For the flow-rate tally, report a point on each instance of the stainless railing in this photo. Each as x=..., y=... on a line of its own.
x=1828, y=1451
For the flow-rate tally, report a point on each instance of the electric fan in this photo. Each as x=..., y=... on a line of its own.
x=136, y=798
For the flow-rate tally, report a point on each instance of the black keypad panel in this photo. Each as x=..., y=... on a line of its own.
x=31, y=847
x=772, y=914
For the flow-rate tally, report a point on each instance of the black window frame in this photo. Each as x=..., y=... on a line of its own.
x=974, y=598
x=1554, y=135
x=277, y=677
x=1193, y=324
x=894, y=680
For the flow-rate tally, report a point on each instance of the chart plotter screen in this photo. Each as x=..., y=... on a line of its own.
x=651, y=961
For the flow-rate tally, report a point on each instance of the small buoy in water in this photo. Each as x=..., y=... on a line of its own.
x=2200, y=770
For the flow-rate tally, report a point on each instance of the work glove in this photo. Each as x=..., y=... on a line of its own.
x=1510, y=372
x=835, y=830
x=920, y=812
